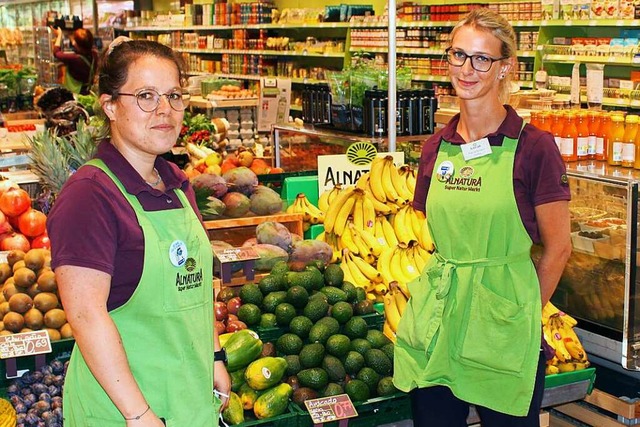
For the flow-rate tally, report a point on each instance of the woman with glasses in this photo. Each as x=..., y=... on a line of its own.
x=133, y=262
x=491, y=186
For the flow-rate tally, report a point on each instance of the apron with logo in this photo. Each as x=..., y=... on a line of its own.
x=76, y=86
x=166, y=327
x=473, y=321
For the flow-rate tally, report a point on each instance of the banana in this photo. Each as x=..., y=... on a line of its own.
x=402, y=227
x=375, y=179
x=335, y=208
x=337, y=189
x=343, y=215
x=396, y=265
x=347, y=273
x=368, y=213
x=359, y=278
x=295, y=207
x=424, y=238
x=398, y=296
x=367, y=269
x=384, y=264
x=566, y=366
x=363, y=182
x=562, y=353
x=379, y=234
x=391, y=312
x=386, y=330
x=548, y=311
x=363, y=249
x=551, y=369
x=571, y=341
x=399, y=184
x=311, y=214
x=323, y=200
x=393, y=207
x=408, y=267
x=416, y=258
x=371, y=241
x=380, y=289
x=389, y=233
x=389, y=190
x=358, y=212
x=347, y=241
x=378, y=206
x=373, y=297
x=410, y=178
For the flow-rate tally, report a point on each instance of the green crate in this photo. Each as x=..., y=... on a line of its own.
x=374, y=320
x=276, y=180
x=292, y=186
x=313, y=231
x=564, y=378
x=270, y=334
x=288, y=419
x=373, y=412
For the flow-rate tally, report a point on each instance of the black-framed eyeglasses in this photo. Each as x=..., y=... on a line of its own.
x=481, y=63
x=148, y=99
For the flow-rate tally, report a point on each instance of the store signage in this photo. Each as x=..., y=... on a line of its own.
x=24, y=344
x=338, y=169
x=236, y=254
x=332, y=408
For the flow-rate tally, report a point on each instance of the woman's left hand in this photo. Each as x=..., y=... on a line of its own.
x=222, y=383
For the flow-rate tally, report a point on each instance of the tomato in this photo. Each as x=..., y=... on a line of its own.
x=32, y=223
x=41, y=242
x=15, y=241
x=14, y=201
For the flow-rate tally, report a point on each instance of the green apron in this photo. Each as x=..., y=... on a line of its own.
x=166, y=327
x=473, y=321
x=75, y=86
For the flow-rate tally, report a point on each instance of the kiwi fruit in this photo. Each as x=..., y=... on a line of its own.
x=6, y=332
x=25, y=330
x=9, y=289
x=33, y=319
x=47, y=282
x=24, y=277
x=34, y=259
x=13, y=321
x=14, y=256
x=4, y=308
x=45, y=301
x=65, y=331
x=18, y=265
x=5, y=272
x=20, y=303
x=33, y=290
x=55, y=318
x=54, y=334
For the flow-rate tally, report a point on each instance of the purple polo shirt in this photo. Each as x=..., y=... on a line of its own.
x=539, y=175
x=78, y=69
x=92, y=224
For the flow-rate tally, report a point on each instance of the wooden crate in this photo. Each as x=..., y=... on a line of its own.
x=237, y=230
x=598, y=409
x=473, y=420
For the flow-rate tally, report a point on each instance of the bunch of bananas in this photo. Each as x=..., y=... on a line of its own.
x=360, y=273
x=409, y=225
x=327, y=197
x=557, y=328
x=310, y=214
x=395, y=302
x=402, y=264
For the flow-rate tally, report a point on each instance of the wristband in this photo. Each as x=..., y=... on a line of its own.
x=139, y=416
x=220, y=356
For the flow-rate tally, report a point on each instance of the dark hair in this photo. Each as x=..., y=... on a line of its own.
x=84, y=40
x=115, y=63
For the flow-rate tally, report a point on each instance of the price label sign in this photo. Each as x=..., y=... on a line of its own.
x=325, y=409
x=236, y=254
x=24, y=344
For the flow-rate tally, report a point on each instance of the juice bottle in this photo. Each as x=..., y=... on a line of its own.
x=628, y=140
x=569, y=151
x=544, y=121
x=556, y=128
x=534, y=121
x=602, y=151
x=593, y=122
x=582, y=127
x=616, y=138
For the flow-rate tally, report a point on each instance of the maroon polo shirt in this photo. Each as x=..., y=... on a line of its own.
x=92, y=225
x=539, y=175
x=78, y=69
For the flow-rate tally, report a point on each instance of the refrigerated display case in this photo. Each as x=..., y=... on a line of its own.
x=599, y=285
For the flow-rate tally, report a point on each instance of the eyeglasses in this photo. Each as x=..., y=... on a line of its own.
x=481, y=63
x=148, y=99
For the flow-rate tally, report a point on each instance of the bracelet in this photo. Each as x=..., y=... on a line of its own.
x=139, y=416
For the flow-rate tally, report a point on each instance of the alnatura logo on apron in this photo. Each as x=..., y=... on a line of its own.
x=179, y=257
x=463, y=181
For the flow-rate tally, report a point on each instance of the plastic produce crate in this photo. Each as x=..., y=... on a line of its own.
x=288, y=419
x=373, y=412
x=374, y=320
x=271, y=334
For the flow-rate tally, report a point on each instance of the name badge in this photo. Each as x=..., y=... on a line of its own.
x=476, y=149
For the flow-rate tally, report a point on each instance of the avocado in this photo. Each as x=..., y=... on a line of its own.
x=334, y=367
x=272, y=299
x=361, y=345
x=285, y=312
x=270, y=283
x=251, y=294
x=386, y=387
x=316, y=309
x=353, y=362
x=356, y=327
x=310, y=278
x=333, y=275
x=311, y=355
x=338, y=345
x=388, y=350
x=323, y=329
x=315, y=378
x=302, y=394
x=289, y=344
x=377, y=338
x=279, y=268
x=350, y=289
x=369, y=377
x=297, y=296
x=250, y=314
x=363, y=307
x=293, y=364
x=334, y=295
x=357, y=390
x=378, y=361
x=342, y=312
x=332, y=389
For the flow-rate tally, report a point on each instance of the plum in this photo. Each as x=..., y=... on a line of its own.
x=41, y=406
x=57, y=367
x=45, y=397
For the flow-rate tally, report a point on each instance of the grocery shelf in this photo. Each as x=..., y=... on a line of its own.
x=310, y=25
x=264, y=52
x=591, y=22
x=590, y=59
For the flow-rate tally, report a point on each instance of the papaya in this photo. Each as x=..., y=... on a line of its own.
x=242, y=348
x=265, y=372
x=273, y=402
x=248, y=396
x=237, y=379
x=233, y=414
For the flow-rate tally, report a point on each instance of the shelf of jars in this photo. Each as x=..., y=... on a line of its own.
x=256, y=77
x=589, y=59
x=265, y=52
x=423, y=51
x=613, y=97
x=311, y=25
x=590, y=23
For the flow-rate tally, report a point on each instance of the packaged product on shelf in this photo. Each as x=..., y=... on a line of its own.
x=595, y=83
x=550, y=9
x=626, y=9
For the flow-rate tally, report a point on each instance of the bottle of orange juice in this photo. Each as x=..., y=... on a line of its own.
x=593, y=122
x=616, y=139
x=534, y=120
x=602, y=151
x=569, y=149
x=629, y=139
x=544, y=121
x=582, y=127
x=556, y=128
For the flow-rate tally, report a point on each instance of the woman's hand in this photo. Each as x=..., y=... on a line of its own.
x=222, y=382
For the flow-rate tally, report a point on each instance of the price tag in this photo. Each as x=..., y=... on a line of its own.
x=236, y=254
x=24, y=344
x=325, y=409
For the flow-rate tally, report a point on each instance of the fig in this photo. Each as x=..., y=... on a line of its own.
x=221, y=311
x=233, y=305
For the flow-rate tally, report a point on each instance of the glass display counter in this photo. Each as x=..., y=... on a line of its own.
x=600, y=283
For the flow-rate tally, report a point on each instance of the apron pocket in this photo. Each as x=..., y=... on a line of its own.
x=495, y=333
x=422, y=317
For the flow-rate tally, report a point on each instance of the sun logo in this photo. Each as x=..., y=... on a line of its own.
x=361, y=153
x=190, y=265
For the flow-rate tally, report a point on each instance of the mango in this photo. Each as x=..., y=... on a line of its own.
x=305, y=251
x=274, y=233
x=242, y=180
x=269, y=255
x=215, y=185
x=265, y=201
x=237, y=204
